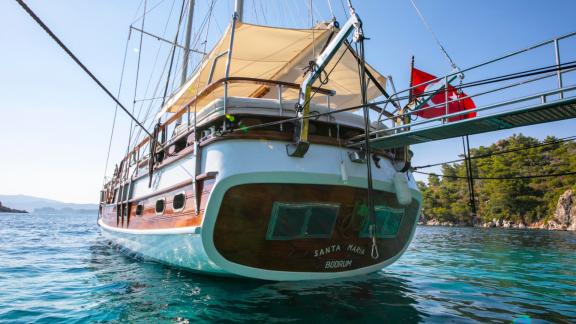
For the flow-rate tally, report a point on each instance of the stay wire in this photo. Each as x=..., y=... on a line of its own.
x=433, y=35
x=561, y=140
x=137, y=75
x=69, y=52
x=173, y=53
x=116, y=106
x=534, y=176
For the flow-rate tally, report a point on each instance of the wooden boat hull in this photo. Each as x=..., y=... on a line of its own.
x=234, y=231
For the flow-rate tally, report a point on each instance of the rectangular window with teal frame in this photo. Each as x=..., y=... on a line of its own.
x=290, y=221
x=388, y=221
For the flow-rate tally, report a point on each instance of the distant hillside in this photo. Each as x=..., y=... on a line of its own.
x=43, y=205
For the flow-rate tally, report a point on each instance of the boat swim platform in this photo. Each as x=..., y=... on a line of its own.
x=544, y=112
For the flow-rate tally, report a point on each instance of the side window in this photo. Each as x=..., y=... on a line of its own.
x=160, y=205
x=388, y=221
x=179, y=201
x=139, y=209
x=291, y=221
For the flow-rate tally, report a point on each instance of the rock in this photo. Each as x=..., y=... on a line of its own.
x=422, y=219
x=489, y=224
x=433, y=222
x=4, y=209
x=565, y=213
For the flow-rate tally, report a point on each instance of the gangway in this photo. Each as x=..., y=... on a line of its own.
x=540, y=102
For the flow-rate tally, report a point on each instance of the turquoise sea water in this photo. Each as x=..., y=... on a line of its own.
x=59, y=269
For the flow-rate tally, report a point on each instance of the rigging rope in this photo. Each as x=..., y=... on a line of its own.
x=116, y=106
x=434, y=35
x=331, y=10
x=561, y=140
x=173, y=52
x=149, y=10
x=502, y=178
x=69, y=52
x=137, y=75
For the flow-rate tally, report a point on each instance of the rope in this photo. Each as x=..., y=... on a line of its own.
x=363, y=89
x=116, y=106
x=503, y=178
x=433, y=35
x=561, y=140
x=69, y=52
x=149, y=10
x=173, y=52
x=137, y=75
x=331, y=10
x=313, y=33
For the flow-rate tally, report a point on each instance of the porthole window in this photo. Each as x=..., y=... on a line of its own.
x=139, y=209
x=179, y=201
x=302, y=221
x=160, y=205
x=388, y=221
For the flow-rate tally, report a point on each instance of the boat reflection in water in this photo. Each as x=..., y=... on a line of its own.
x=135, y=290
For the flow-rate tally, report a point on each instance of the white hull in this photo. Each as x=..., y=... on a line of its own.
x=245, y=162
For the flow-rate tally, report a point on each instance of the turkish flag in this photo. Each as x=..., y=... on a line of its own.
x=436, y=106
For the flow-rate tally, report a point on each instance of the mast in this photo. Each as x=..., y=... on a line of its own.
x=187, y=41
x=239, y=9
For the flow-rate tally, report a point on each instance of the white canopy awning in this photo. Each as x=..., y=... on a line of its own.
x=277, y=54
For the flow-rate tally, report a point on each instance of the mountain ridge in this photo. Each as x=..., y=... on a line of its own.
x=30, y=203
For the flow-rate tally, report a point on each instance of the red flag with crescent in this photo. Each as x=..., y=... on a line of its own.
x=436, y=106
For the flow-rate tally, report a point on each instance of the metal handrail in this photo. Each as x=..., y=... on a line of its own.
x=500, y=58
x=465, y=112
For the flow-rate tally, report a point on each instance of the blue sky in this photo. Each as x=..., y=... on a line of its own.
x=55, y=122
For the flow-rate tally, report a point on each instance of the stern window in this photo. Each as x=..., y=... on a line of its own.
x=139, y=209
x=388, y=221
x=301, y=221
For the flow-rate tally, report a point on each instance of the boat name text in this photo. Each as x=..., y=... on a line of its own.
x=338, y=264
x=336, y=248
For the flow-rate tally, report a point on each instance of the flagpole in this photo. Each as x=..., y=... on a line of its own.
x=410, y=94
x=406, y=120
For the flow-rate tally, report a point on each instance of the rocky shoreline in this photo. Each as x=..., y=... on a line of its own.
x=4, y=209
x=564, y=218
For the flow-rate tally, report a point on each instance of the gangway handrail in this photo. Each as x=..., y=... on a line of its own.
x=409, y=113
x=459, y=72
x=456, y=114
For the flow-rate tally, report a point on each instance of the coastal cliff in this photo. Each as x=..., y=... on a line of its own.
x=565, y=213
x=512, y=189
x=4, y=209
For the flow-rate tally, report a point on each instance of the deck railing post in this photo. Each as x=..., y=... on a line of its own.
x=558, y=72
x=279, y=88
x=445, y=97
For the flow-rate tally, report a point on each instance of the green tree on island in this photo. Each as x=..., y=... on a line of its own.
x=519, y=200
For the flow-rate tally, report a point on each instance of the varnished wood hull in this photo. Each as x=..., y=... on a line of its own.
x=228, y=233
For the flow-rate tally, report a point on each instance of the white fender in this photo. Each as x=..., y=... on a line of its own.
x=343, y=172
x=403, y=194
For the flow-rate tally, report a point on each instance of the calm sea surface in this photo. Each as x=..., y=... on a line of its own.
x=59, y=269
